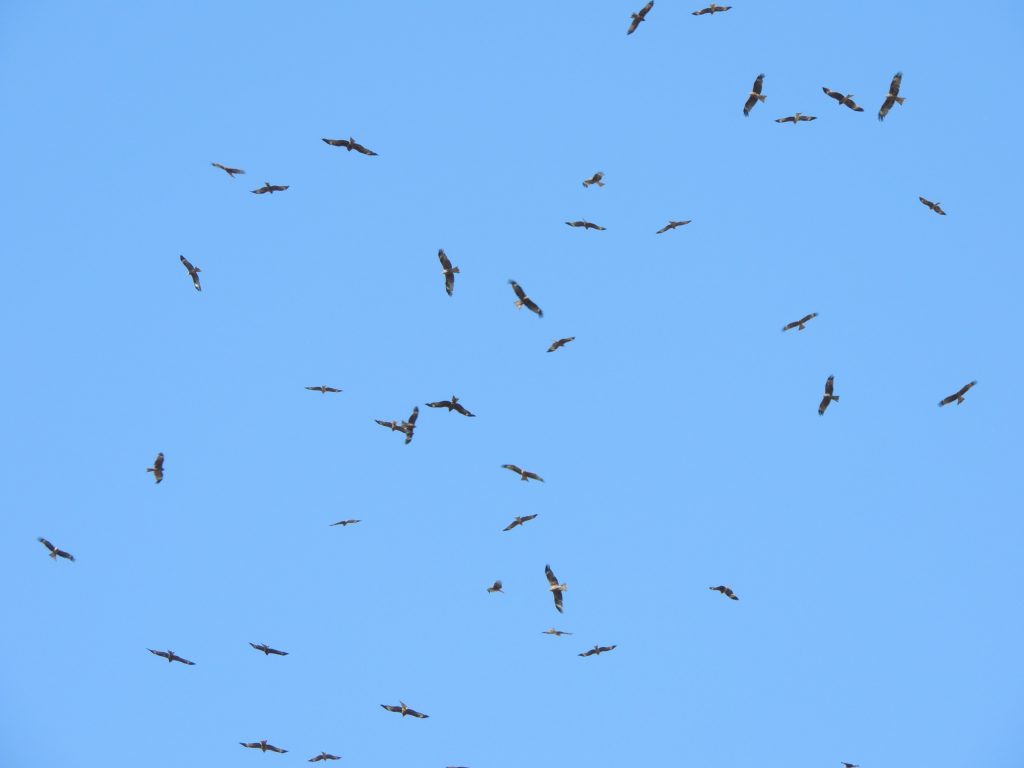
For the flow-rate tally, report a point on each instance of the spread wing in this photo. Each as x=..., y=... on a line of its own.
x=519, y=291
x=449, y=282
x=364, y=150
x=414, y=713
x=158, y=464
x=513, y=524
x=47, y=544
x=806, y=318
x=445, y=263
x=336, y=142
x=187, y=263
x=786, y=120
x=551, y=576
x=176, y=657
x=528, y=518
x=272, y=748
x=260, y=647
x=758, y=83
x=279, y=188
x=512, y=467
x=533, y=476
x=833, y=94
x=807, y=118
x=606, y=648
x=532, y=306
x=894, y=86
x=749, y=105
x=558, y=601
x=824, y=404
x=251, y=744
x=413, y=416
x=261, y=190
x=591, y=652
x=65, y=555
x=963, y=390
x=854, y=106
x=439, y=404
x=458, y=407
x=829, y=384
x=162, y=654
x=391, y=708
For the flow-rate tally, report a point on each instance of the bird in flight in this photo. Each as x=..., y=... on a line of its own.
x=271, y=188
x=171, y=656
x=495, y=587
x=850, y=765
x=801, y=323
x=672, y=225
x=585, y=225
x=845, y=100
x=410, y=426
x=595, y=179
x=937, y=207
x=958, y=396
x=597, y=650
x=893, y=97
x=158, y=468
x=523, y=475
x=350, y=144
x=524, y=300
x=555, y=589
x=229, y=171
x=404, y=710
x=322, y=389
x=555, y=632
x=799, y=117
x=323, y=756
x=754, y=96
x=54, y=552
x=639, y=16
x=344, y=523
x=451, y=405
x=262, y=746
x=448, y=270
x=520, y=519
x=828, y=397
x=267, y=650
x=712, y=9
x=727, y=591
x=192, y=271
x=560, y=343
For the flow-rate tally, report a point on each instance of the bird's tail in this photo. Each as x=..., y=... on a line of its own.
x=900, y=99
x=761, y=97
x=519, y=304
x=599, y=183
x=836, y=398
x=455, y=271
x=959, y=400
x=150, y=469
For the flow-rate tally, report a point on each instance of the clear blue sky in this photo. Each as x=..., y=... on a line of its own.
x=876, y=550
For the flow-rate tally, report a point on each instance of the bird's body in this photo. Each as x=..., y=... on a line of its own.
x=171, y=656
x=524, y=300
x=957, y=396
x=712, y=9
x=585, y=225
x=893, y=97
x=597, y=650
x=323, y=389
x=262, y=746
x=727, y=591
x=555, y=588
x=344, y=523
x=801, y=323
x=799, y=117
x=496, y=587
x=54, y=552
x=754, y=96
x=158, y=468
x=937, y=207
x=451, y=405
x=560, y=343
x=404, y=710
x=448, y=271
x=520, y=519
x=672, y=225
x=271, y=188
x=638, y=17
x=229, y=171
x=844, y=100
x=828, y=396
x=350, y=144
x=523, y=474
x=267, y=650
x=595, y=179
x=192, y=271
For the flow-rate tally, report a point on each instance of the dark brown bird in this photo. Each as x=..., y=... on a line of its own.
x=323, y=389
x=639, y=16
x=229, y=171
x=448, y=270
x=712, y=9
x=845, y=100
x=893, y=97
x=800, y=324
x=585, y=225
x=850, y=765
x=158, y=468
x=797, y=118
x=410, y=426
x=451, y=405
x=754, y=96
x=344, y=523
x=523, y=475
x=350, y=144
x=262, y=746
x=672, y=225
x=555, y=632
x=958, y=396
x=560, y=343
x=404, y=710
x=555, y=589
x=937, y=207
x=271, y=188
x=267, y=650
x=829, y=397
x=192, y=271
x=524, y=300
x=496, y=587
x=597, y=650
x=520, y=519
x=595, y=179
x=171, y=656
x=727, y=591
x=54, y=552
x=323, y=756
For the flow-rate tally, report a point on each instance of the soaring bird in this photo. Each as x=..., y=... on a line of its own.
x=850, y=765
x=597, y=650
x=192, y=271
x=229, y=171
x=555, y=632
x=350, y=144
x=845, y=100
x=323, y=756
x=755, y=95
x=797, y=118
x=523, y=474
x=595, y=179
x=958, y=396
x=267, y=650
x=524, y=300
x=410, y=426
x=801, y=323
x=712, y=9
x=672, y=225
x=262, y=746
x=496, y=587
x=404, y=710
x=560, y=343
x=893, y=97
x=451, y=405
x=727, y=591
x=55, y=553
x=158, y=468
x=828, y=397
x=448, y=270
x=344, y=523
x=271, y=188
x=937, y=207
x=639, y=16
x=585, y=224
x=171, y=656
x=520, y=519
x=555, y=589
x=323, y=389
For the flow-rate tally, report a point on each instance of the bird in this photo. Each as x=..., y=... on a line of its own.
x=712, y=9
x=672, y=225
x=800, y=324
x=404, y=710
x=271, y=188
x=524, y=300
x=410, y=426
x=958, y=396
x=448, y=270
x=350, y=144
x=555, y=632
x=158, y=468
x=727, y=591
x=829, y=397
x=755, y=95
x=171, y=656
x=799, y=117
x=451, y=405
x=344, y=523
x=496, y=587
x=597, y=650
x=229, y=171
x=323, y=756
x=893, y=97
x=585, y=224
x=54, y=552
x=323, y=389
x=937, y=207
x=844, y=100
x=555, y=589
x=520, y=519
x=267, y=650
x=639, y=16
x=523, y=474
x=595, y=179
x=560, y=343
x=262, y=746
x=193, y=272
x=850, y=765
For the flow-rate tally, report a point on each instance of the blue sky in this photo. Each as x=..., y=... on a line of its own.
x=875, y=550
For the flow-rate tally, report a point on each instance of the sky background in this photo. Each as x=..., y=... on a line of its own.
x=875, y=550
